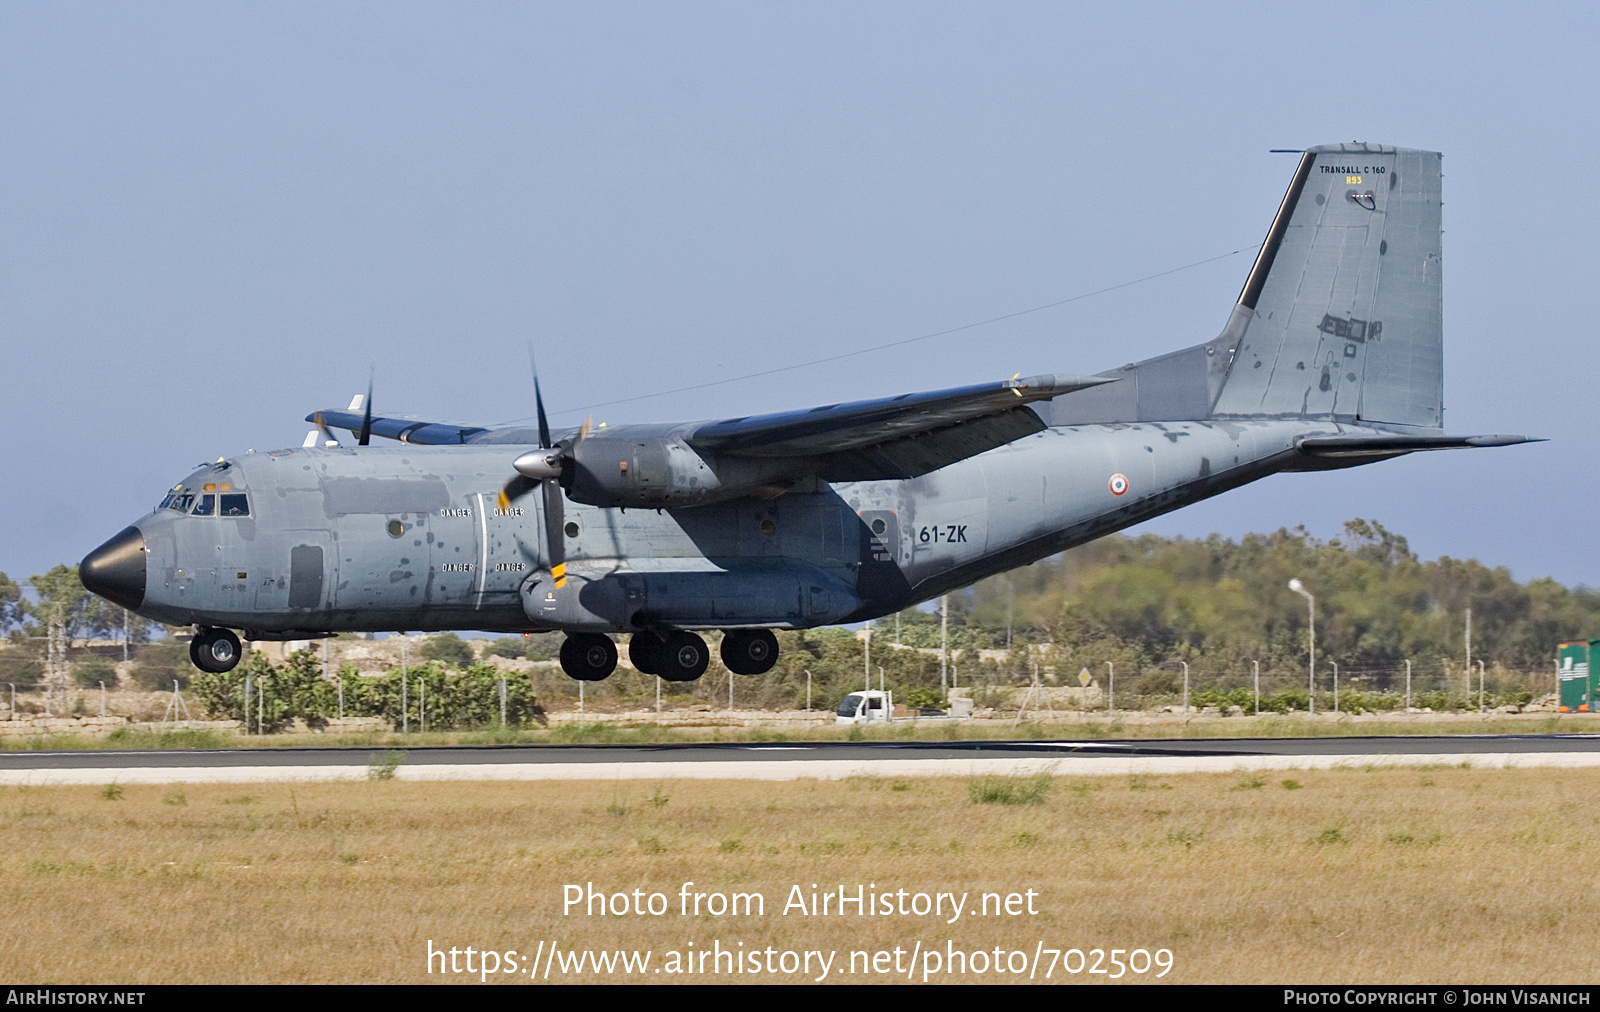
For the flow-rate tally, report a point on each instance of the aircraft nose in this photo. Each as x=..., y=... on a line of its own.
x=116, y=570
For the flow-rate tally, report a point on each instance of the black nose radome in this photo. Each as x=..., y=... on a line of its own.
x=116, y=569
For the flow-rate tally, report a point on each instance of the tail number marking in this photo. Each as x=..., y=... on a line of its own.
x=950, y=533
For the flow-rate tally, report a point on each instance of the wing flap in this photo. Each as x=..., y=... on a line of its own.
x=914, y=456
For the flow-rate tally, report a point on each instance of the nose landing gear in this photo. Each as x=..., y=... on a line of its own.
x=215, y=650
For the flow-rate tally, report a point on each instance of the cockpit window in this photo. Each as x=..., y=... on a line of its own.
x=207, y=506
x=179, y=501
x=235, y=504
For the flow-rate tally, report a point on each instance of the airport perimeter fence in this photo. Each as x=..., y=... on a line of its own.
x=425, y=697
x=1425, y=687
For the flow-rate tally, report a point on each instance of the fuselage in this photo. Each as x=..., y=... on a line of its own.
x=314, y=540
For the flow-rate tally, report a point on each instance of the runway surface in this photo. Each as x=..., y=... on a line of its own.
x=794, y=761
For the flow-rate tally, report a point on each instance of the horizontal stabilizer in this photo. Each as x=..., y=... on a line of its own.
x=1390, y=444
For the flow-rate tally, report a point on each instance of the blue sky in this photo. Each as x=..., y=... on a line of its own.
x=216, y=216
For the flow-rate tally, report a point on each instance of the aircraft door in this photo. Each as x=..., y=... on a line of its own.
x=455, y=552
x=509, y=548
x=313, y=572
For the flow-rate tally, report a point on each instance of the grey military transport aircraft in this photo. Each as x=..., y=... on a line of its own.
x=1332, y=357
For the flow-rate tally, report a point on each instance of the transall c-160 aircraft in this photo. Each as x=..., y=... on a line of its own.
x=1332, y=357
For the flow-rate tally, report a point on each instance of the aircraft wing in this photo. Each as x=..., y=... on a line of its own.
x=894, y=437
x=407, y=430
x=888, y=438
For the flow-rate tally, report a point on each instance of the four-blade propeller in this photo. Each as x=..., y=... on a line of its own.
x=545, y=467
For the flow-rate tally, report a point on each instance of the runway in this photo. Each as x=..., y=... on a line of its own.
x=793, y=761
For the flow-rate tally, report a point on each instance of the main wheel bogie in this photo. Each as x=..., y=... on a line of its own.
x=749, y=651
x=588, y=657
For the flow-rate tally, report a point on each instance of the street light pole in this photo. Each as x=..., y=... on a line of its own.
x=1311, y=669
x=944, y=643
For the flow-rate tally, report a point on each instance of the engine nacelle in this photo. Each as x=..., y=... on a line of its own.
x=615, y=470
x=648, y=468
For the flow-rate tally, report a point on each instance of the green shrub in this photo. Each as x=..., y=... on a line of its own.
x=452, y=699
x=158, y=665
x=382, y=765
x=509, y=646
x=91, y=670
x=448, y=648
x=20, y=665
x=532, y=647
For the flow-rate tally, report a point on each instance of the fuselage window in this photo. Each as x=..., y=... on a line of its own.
x=207, y=506
x=235, y=504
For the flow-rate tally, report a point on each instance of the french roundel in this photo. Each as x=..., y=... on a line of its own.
x=1118, y=484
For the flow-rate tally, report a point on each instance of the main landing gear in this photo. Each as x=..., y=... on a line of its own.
x=749, y=651
x=588, y=657
x=679, y=656
x=215, y=650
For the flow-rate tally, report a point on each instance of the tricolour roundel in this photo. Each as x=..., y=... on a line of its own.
x=1118, y=484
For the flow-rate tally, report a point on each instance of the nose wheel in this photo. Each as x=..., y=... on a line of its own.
x=215, y=650
x=588, y=657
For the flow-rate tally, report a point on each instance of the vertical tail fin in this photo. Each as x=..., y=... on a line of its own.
x=1342, y=315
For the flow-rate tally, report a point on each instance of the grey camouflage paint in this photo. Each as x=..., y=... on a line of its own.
x=1338, y=333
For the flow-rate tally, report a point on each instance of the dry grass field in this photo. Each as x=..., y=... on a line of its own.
x=1385, y=875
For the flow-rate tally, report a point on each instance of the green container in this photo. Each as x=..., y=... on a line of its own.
x=1576, y=689
x=1594, y=676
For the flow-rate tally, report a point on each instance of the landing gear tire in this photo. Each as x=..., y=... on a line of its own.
x=749, y=651
x=588, y=657
x=684, y=657
x=644, y=652
x=215, y=650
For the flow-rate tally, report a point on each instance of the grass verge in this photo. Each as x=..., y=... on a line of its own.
x=1381, y=875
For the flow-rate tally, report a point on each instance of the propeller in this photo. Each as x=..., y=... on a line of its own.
x=366, y=418
x=544, y=467
x=328, y=438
